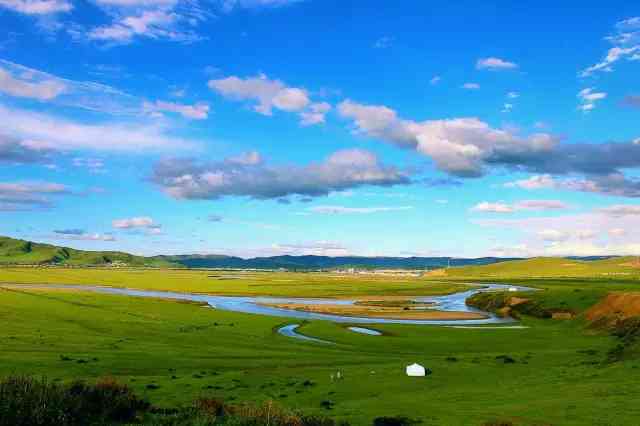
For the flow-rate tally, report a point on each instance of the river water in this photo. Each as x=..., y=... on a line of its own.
x=254, y=304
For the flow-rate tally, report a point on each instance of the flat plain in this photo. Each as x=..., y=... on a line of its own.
x=553, y=372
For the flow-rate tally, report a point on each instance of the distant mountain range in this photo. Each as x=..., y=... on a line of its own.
x=21, y=252
x=325, y=262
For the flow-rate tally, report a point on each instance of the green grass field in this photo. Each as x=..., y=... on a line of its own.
x=562, y=374
x=233, y=283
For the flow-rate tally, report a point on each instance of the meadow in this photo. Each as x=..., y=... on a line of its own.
x=555, y=372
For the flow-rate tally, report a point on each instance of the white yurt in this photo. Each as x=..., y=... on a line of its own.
x=415, y=370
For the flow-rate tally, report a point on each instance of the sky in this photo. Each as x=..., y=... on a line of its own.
x=270, y=127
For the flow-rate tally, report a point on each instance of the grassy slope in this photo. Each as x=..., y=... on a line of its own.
x=551, y=267
x=139, y=340
x=22, y=252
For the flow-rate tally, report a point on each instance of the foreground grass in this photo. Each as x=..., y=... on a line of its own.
x=171, y=353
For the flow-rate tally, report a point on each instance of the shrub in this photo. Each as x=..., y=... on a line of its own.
x=498, y=423
x=29, y=402
x=395, y=421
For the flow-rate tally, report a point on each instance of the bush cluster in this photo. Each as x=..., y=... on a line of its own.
x=25, y=401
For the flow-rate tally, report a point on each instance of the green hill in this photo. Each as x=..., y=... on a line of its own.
x=21, y=252
x=550, y=267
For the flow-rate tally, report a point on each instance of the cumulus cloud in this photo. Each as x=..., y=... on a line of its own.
x=469, y=147
x=495, y=64
x=315, y=114
x=268, y=94
x=336, y=210
x=37, y=7
x=529, y=205
x=614, y=183
x=534, y=182
x=135, y=222
x=188, y=179
x=19, y=196
x=198, y=111
x=588, y=98
x=625, y=39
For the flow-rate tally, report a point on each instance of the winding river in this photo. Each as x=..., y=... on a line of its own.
x=256, y=304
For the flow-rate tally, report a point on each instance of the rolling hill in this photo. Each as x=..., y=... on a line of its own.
x=21, y=252
x=551, y=267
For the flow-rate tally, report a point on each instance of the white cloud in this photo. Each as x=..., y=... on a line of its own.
x=470, y=86
x=315, y=114
x=592, y=233
x=37, y=7
x=230, y=5
x=342, y=170
x=383, y=42
x=486, y=206
x=19, y=196
x=469, y=147
x=612, y=184
x=622, y=210
x=21, y=81
x=495, y=64
x=198, y=111
x=529, y=205
x=94, y=165
x=626, y=45
x=435, y=80
x=83, y=236
x=135, y=222
x=534, y=182
x=617, y=232
x=173, y=20
x=588, y=98
x=27, y=87
x=553, y=235
x=459, y=146
x=513, y=95
x=43, y=132
x=335, y=210
x=270, y=94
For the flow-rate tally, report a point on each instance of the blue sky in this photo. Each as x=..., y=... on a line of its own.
x=263, y=127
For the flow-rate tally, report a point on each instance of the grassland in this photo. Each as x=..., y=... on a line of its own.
x=563, y=372
x=234, y=283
